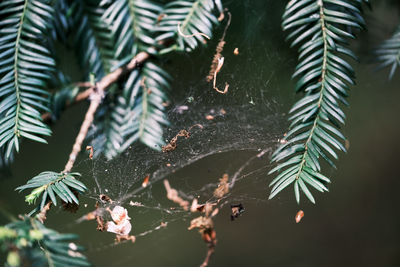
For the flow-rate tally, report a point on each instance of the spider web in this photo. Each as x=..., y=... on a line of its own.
x=233, y=133
x=238, y=140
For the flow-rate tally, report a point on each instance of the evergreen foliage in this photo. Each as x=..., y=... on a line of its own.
x=26, y=66
x=53, y=184
x=188, y=17
x=29, y=241
x=389, y=53
x=321, y=29
x=104, y=35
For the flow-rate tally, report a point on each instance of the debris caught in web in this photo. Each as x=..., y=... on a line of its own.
x=191, y=35
x=218, y=69
x=209, y=117
x=215, y=61
x=228, y=138
x=347, y=144
x=100, y=223
x=135, y=204
x=223, y=187
x=172, y=144
x=146, y=181
x=236, y=211
x=181, y=109
x=42, y=214
x=218, y=61
x=105, y=198
x=160, y=18
x=121, y=225
x=172, y=194
x=91, y=151
x=299, y=216
x=205, y=225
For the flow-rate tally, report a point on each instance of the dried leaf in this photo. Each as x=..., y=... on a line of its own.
x=223, y=187
x=172, y=144
x=172, y=195
x=191, y=35
x=209, y=117
x=299, y=216
x=91, y=151
x=42, y=215
x=146, y=181
x=236, y=211
x=105, y=198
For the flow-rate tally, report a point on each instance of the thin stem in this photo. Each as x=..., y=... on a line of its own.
x=95, y=100
x=322, y=79
x=17, y=46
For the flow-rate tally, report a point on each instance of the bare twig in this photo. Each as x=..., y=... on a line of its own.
x=210, y=251
x=191, y=35
x=43, y=212
x=223, y=187
x=96, y=94
x=219, y=67
x=91, y=151
x=172, y=194
x=172, y=144
x=218, y=60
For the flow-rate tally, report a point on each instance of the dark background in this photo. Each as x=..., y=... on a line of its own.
x=356, y=224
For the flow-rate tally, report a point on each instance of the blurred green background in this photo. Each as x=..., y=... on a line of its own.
x=356, y=224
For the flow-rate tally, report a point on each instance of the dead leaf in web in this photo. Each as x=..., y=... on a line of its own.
x=209, y=117
x=91, y=151
x=43, y=212
x=173, y=143
x=191, y=35
x=105, y=198
x=299, y=216
x=236, y=211
x=121, y=225
x=223, y=187
x=146, y=181
x=172, y=194
x=120, y=238
x=135, y=204
x=201, y=222
x=100, y=224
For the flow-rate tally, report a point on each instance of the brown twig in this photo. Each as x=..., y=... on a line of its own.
x=223, y=187
x=43, y=212
x=171, y=146
x=78, y=98
x=96, y=94
x=210, y=251
x=191, y=35
x=172, y=194
x=91, y=151
x=218, y=61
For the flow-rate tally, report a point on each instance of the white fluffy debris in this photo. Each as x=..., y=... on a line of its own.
x=121, y=224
